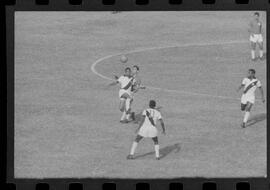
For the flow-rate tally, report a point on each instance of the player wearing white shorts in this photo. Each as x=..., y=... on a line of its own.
x=250, y=84
x=147, y=129
x=255, y=32
x=136, y=86
x=125, y=82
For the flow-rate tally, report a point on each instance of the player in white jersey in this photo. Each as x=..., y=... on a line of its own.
x=136, y=86
x=147, y=129
x=250, y=84
x=255, y=32
x=125, y=96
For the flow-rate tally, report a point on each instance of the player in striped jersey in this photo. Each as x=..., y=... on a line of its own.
x=250, y=84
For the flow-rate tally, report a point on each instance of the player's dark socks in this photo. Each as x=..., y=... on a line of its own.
x=243, y=125
x=130, y=157
x=157, y=158
x=133, y=116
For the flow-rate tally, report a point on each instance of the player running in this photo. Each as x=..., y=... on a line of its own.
x=147, y=128
x=250, y=84
x=125, y=82
x=255, y=32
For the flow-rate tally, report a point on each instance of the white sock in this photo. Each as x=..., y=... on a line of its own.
x=247, y=113
x=128, y=104
x=133, y=148
x=252, y=54
x=261, y=53
x=123, y=116
x=128, y=116
x=157, y=150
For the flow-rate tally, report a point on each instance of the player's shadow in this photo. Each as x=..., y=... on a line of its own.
x=163, y=151
x=256, y=118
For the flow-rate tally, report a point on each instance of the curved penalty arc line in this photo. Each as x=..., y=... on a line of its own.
x=93, y=66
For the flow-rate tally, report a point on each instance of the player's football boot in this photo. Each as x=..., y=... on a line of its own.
x=130, y=157
x=157, y=158
x=124, y=121
x=255, y=59
x=243, y=125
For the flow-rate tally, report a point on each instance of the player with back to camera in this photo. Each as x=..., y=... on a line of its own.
x=147, y=129
x=125, y=82
x=255, y=32
x=250, y=84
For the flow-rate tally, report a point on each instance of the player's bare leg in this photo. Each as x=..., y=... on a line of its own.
x=124, y=103
x=122, y=109
x=130, y=114
x=156, y=145
x=128, y=108
x=260, y=44
x=243, y=108
x=134, y=146
x=253, y=49
x=247, y=114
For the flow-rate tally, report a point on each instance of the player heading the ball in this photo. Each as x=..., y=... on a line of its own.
x=125, y=96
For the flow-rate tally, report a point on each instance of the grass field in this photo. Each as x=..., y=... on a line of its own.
x=67, y=118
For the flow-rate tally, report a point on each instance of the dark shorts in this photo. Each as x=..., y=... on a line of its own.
x=244, y=106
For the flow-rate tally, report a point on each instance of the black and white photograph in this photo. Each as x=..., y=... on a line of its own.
x=140, y=94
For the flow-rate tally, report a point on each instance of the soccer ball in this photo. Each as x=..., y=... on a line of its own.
x=123, y=59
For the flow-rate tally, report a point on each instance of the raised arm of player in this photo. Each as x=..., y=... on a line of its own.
x=138, y=88
x=113, y=83
x=116, y=77
x=240, y=87
x=262, y=95
x=162, y=125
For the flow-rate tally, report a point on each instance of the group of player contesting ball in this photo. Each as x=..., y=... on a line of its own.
x=130, y=83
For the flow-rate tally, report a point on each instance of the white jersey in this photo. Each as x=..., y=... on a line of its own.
x=153, y=113
x=125, y=85
x=250, y=85
x=147, y=129
x=125, y=82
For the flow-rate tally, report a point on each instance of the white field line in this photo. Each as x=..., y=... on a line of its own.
x=93, y=66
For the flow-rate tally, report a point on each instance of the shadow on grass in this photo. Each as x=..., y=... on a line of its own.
x=256, y=118
x=163, y=151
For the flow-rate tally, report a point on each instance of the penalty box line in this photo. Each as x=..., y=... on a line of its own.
x=99, y=61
